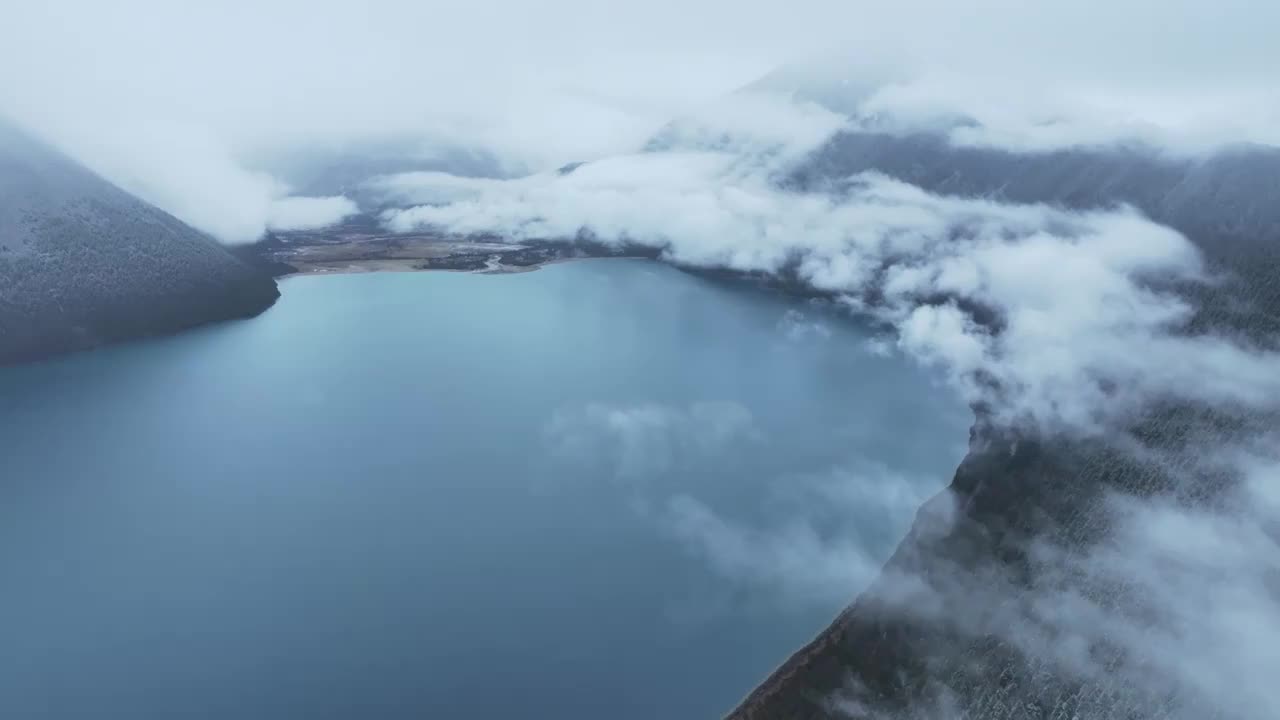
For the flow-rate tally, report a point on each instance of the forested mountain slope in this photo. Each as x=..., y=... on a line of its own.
x=83, y=263
x=1026, y=589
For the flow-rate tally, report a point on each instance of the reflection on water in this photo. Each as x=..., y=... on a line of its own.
x=603, y=489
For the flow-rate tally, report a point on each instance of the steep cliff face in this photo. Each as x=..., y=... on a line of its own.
x=1005, y=551
x=83, y=263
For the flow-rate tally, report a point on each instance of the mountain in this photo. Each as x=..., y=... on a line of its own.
x=1226, y=202
x=83, y=263
x=1021, y=491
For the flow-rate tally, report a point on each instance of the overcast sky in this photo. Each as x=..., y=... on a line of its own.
x=284, y=65
x=172, y=100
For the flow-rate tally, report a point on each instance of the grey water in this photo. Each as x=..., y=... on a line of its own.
x=601, y=489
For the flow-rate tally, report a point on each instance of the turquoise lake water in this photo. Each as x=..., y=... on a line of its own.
x=602, y=489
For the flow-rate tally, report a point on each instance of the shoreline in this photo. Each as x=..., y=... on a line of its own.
x=358, y=247
x=374, y=267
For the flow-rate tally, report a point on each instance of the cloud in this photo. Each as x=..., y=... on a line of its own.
x=1055, y=310
x=1050, y=75
x=825, y=534
x=823, y=539
x=143, y=94
x=1040, y=115
x=425, y=188
x=208, y=189
x=826, y=538
x=308, y=213
x=797, y=327
x=791, y=560
x=180, y=167
x=1210, y=581
x=641, y=443
x=162, y=107
x=1174, y=613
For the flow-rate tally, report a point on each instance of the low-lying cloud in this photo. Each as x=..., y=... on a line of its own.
x=826, y=540
x=826, y=535
x=1039, y=313
x=309, y=213
x=639, y=443
x=1174, y=614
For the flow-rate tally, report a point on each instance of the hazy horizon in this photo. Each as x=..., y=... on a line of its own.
x=185, y=105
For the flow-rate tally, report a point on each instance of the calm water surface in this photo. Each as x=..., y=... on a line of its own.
x=603, y=489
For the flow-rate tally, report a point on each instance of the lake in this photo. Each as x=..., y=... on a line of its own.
x=601, y=489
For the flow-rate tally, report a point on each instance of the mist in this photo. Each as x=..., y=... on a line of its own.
x=182, y=105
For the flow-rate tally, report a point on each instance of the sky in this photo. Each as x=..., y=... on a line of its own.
x=176, y=101
x=180, y=103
